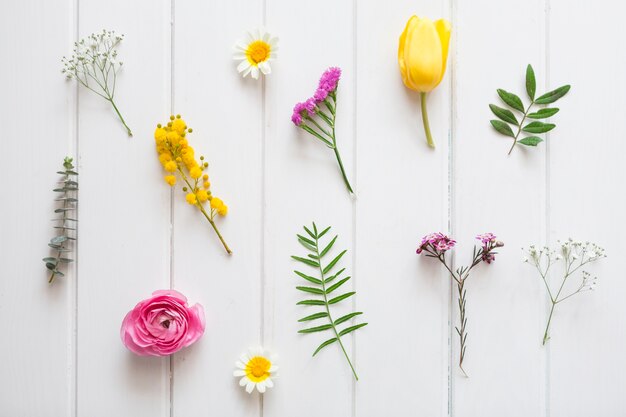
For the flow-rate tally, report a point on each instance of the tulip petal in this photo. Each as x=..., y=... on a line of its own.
x=444, y=29
x=423, y=56
x=401, y=44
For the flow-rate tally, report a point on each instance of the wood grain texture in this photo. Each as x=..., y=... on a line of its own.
x=124, y=215
x=502, y=194
x=586, y=365
x=61, y=347
x=403, y=195
x=303, y=184
x=225, y=112
x=38, y=108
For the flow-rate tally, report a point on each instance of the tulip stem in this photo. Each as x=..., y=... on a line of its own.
x=429, y=137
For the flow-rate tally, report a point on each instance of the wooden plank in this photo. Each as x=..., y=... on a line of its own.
x=225, y=112
x=303, y=184
x=125, y=217
x=403, y=195
x=586, y=349
x=503, y=195
x=37, y=375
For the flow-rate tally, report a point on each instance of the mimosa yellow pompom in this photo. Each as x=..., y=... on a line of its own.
x=170, y=179
x=191, y=198
x=195, y=172
x=171, y=166
x=178, y=158
x=202, y=195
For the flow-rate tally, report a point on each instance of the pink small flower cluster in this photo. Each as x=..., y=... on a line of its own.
x=438, y=241
x=489, y=243
x=328, y=84
x=486, y=238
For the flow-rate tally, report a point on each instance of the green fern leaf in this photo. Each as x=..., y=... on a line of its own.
x=323, y=345
x=314, y=260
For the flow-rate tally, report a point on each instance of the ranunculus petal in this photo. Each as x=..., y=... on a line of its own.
x=162, y=325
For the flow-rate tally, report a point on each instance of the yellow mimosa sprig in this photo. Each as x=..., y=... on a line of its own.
x=178, y=157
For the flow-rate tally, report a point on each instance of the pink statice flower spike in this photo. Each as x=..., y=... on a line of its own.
x=296, y=117
x=330, y=79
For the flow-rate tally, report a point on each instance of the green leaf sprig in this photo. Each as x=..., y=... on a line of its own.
x=66, y=225
x=507, y=117
x=323, y=290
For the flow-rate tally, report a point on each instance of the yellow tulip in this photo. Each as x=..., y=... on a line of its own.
x=422, y=56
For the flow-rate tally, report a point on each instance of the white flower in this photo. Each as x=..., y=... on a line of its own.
x=256, y=369
x=255, y=53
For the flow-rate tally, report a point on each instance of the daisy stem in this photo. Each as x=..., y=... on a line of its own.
x=429, y=137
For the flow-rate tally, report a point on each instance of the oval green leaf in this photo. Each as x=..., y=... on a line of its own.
x=543, y=113
x=538, y=127
x=511, y=99
x=531, y=84
x=504, y=114
x=502, y=127
x=530, y=141
x=554, y=95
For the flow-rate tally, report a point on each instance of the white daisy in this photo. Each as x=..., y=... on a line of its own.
x=256, y=369
x=255, y=53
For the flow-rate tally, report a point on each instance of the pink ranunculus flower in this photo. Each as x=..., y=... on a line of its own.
x=162, y=324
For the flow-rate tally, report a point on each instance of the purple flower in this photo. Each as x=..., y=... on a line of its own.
x=296, y=117
x=310, y=105
x=437, y=241
x=329, y=79
x=489, y=243
x=320, y=95
x=486, y=238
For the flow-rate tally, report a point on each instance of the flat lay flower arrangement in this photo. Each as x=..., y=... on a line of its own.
x=166, y=322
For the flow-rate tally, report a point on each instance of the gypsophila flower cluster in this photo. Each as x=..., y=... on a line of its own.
x=316, y=115
x=94, y=65
x=435, y=245
x=178, y=158
x=574, y=255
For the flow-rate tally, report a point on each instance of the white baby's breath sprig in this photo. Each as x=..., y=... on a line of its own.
x=94, y=64
x=574, y=255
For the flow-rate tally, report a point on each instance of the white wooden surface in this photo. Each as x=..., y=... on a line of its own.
x=60, y=344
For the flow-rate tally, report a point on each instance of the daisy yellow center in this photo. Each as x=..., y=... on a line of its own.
x=258, y=51
x=258, y=369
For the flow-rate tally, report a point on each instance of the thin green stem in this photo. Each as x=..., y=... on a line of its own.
x=332, y=322
x=120, y=116
x=519, y=128
x=199, y=205
x=545, y=334
x=336, y=150
x=429, y=137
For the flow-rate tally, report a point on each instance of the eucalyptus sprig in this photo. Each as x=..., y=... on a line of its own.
x=66, y=226
x=94, y=65
x=507, y=117
x=574, y=255
x=322, y=288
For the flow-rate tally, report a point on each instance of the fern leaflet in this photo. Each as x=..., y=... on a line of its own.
x=322, y=290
